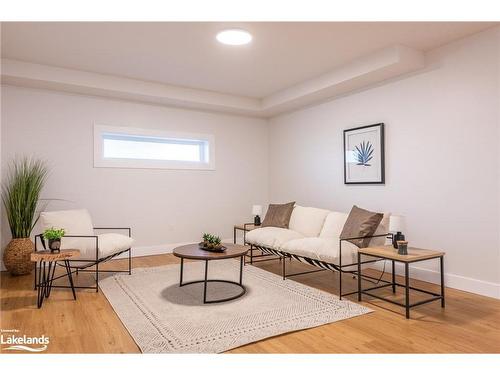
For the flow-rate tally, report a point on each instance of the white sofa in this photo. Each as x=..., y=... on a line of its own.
x=313, y=237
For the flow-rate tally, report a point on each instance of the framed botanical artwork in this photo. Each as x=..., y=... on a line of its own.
x=364, y=155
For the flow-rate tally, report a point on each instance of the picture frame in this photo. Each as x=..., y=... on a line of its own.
x=364, y=155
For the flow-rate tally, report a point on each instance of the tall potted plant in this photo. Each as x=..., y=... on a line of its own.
x=20, y=196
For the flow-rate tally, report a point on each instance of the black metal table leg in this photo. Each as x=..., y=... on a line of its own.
x=70, y=277
x=242, y=259
x=441, y=266
x=359, y=277
x=205, y=283
x=129, y=262
x=340, y=282
x=407, y=290
x=393, y=277
x=41, y=282
x=36, y=276
x=45, y=272
x=50, y=274
x=182, y=271
x=234, y=235
x=251, y=254
x=284, y=269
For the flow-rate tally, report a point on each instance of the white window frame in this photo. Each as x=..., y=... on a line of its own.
x=101, y=162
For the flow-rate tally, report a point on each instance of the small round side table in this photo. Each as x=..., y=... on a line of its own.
x=193, y=251
x=47, y=262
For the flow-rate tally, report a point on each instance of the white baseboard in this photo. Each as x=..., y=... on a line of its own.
x=142, y=251
x=484, y=288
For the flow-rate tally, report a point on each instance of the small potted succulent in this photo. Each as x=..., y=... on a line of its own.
x=211, y=243
x=54, y=236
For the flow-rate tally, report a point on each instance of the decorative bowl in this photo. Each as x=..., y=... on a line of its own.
x=213, y=250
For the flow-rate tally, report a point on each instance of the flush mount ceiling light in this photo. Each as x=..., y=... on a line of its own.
x=234, y=37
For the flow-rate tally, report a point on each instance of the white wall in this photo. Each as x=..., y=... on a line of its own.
x=442, y=161
x=442, y=157
x=161, y=206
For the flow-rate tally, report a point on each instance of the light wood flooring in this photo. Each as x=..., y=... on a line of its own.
x=469, y=324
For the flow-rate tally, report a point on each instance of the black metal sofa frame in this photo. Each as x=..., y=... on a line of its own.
x=325, y=266
x=88, y=263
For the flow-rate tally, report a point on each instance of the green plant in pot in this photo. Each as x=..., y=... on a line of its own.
x=54, y=236
x=20, y=196
x=212, y=242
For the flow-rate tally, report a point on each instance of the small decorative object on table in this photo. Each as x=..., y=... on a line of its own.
x=257, y=211
x=54, y=236
x=396, y=224
x=212, y=243
x=403, y=247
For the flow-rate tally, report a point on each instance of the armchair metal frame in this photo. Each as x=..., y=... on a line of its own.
x=326, y=266
x=87, y=263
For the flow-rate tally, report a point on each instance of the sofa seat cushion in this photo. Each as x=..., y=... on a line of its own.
x=323, y=249
x=109, y=243
x=271, y=237
x=307, y=220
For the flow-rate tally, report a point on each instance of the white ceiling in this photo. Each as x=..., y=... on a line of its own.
x=186, y=54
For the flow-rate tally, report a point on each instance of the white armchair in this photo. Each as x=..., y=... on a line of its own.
x=82, y=235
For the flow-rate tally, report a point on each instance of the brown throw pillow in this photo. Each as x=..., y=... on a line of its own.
x=361, y=223
x=278, y=215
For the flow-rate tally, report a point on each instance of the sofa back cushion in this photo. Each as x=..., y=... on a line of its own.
x=333, y=225
x=74, y=222
x=308, y=220
x=278, y=215
x=383, y=228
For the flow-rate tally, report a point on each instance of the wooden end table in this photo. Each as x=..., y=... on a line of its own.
x=47, y=262
x=247, y=227
x=414, y=255
x=193, y=251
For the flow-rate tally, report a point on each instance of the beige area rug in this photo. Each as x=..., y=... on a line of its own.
x=164, y=318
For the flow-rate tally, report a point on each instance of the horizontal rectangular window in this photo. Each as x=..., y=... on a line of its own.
x=141, y=148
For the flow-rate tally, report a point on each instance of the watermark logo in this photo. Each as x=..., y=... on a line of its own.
x=18, y=342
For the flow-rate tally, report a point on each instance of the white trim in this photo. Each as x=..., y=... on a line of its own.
x=142, y=251
x=101, y=162
x=358, y=74
x=467, y=284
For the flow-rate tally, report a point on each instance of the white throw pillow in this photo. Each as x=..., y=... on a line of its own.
x=74, y=222
x=334, y=223
x=307, y=220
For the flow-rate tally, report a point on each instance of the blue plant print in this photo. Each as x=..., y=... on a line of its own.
x=364, y=153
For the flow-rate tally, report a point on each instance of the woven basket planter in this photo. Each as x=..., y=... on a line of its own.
x=16, y=256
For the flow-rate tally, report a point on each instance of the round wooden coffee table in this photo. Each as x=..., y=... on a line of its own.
x=193, y=251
